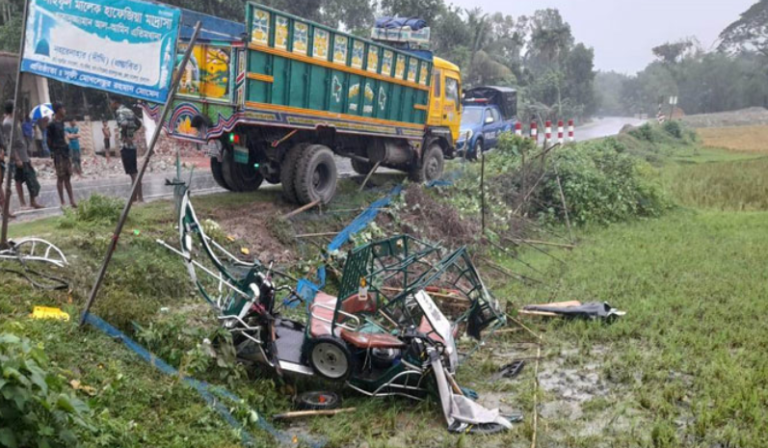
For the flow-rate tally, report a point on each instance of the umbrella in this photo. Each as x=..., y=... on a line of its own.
x=44, y=110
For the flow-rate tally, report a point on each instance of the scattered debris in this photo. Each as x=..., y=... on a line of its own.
x=299, y=414
x=302, y=209
x=574, y=309
x=29, y=252
x=510, y=370
x=318, y=401
x=44, y=312
x=76, y=385
x=391, y=339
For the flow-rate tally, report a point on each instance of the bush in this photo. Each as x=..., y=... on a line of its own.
x=674, y=129
x=35, y=409
x=97, y=210
x=644, y=133
x=601, y=185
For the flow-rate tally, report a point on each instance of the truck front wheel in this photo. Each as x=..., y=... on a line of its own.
x=218, y=174
x=316, y=175
x=431, y=167
x=240, y=177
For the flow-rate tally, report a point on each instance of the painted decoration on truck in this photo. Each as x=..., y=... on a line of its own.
x=281, y=33
x=386, y=62
x=400, y=67
x=336, y=88
x=354, y=92
x=300, y=37
x=207, y=73
x=373, y=58
x=340, y=49
x=424, y=75
x=412, y=66
x=358, y=52
x=382, y=98
x=260, y=27
x=320, y=44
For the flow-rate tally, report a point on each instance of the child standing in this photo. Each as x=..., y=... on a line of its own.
x=73, y=137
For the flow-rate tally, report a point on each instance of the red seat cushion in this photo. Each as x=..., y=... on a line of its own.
x=318, y=327
x=371, y=340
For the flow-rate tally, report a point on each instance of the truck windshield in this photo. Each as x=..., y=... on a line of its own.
x=472, y=116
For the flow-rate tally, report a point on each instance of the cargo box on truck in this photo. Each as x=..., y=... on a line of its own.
x=275, y=99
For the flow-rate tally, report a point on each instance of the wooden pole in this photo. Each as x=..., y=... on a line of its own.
x=137, y=182
x=302, y=209
x=565, y=206
x=298, y=414
x=370, y=173
x=482, y=191
x=16, y=110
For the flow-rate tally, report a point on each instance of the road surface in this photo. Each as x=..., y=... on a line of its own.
x=203, y=183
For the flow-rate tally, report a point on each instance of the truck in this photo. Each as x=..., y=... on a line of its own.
x=488, y=111
x=278, y=98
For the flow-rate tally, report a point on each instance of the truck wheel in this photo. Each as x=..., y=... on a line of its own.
x=316, y=175
x=288, y=171
x=361, y=167
x=431, y=167
x=218, y=175
x=240, y=177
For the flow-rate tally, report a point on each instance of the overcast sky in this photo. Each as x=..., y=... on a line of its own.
x=622, y=32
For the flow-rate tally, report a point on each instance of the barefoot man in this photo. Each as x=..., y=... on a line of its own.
x=57, y=142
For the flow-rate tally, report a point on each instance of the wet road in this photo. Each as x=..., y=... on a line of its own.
x=203, y=183
x=604, y=127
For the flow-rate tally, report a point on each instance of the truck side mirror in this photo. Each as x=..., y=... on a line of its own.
x=488, y=120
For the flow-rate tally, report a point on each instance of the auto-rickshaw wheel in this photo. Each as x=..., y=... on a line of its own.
x=330, y=358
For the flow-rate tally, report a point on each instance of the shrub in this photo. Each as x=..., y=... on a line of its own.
x=35, y=408
x=97, y=210
x=601, y=185
x=644, y=133
x=674, y=129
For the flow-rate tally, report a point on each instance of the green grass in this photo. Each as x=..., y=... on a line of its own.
x=686, y=367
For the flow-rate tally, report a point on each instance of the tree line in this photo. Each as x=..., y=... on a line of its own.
x=732, y=75
x=537, y=54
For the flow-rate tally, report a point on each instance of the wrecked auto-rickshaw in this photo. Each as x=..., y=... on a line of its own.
x=382, y=335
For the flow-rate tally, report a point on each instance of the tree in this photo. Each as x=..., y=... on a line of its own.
x=672, y=52
x=749, y=33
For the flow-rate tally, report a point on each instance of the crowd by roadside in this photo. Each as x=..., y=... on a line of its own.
x=56, y=138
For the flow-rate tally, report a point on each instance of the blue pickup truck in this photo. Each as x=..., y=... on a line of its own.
x=488, y=111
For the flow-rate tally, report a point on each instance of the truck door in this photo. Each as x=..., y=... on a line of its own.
x=493, y=126
x=452, y=103
x=436, y=103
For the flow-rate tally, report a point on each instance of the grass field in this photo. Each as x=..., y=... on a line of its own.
x=736, y=138
x=686, y=367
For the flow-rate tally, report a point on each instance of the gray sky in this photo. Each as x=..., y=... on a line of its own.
x=622, y=32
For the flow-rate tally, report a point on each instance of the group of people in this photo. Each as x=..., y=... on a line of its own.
x=62, y=139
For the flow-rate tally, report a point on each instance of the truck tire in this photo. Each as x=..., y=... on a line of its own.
x=240, y=177
x=288, y=172
x=218, y=175
x=316, y=175
x=361, y=167
x=431, y=166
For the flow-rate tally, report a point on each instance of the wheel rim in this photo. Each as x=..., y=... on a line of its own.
x=319, y=398
x=329, y=360
x=321, y=178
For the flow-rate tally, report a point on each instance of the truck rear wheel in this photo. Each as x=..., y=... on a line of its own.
x=218, y=174
x=238, y=176
x=361, y=167
x=316, y=175
x=431, y=166
x=288, y=171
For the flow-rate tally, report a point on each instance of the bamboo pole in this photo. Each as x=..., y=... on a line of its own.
x=16, y=110
x=150, y=150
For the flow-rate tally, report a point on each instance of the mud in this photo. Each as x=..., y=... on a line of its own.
x=426, y=218
x=251, y=227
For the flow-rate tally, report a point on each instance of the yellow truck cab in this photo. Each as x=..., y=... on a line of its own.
x=445, y=97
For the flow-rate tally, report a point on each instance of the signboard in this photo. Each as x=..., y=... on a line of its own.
x=126, y=47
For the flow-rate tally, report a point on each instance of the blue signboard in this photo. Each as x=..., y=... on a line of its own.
x=126, y=47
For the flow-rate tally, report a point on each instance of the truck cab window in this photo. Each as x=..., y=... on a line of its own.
x=489, y=116
x=495, y=115
x=452, y=90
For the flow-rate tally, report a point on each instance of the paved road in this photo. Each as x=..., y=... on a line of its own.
x=203, y=183
x=604, y=127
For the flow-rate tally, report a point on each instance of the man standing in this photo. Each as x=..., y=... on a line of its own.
x=2, y=176
x=107, y=133
x=22, y=166
x=57, y=143
x=73, y=137
x=127, y=125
